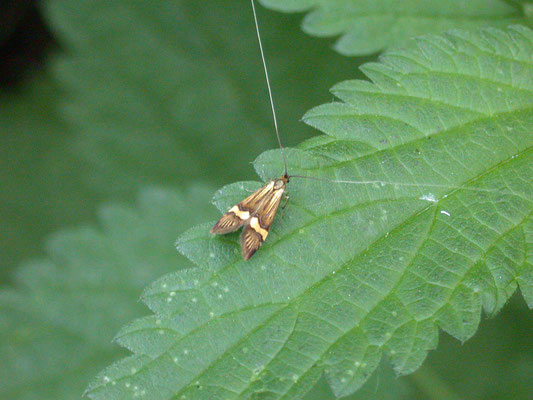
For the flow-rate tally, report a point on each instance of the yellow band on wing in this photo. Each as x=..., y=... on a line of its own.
x=244, y=215
x=254, y=223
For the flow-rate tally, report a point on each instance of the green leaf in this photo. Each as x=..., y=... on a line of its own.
x=370, y=26
x=167, y=91
x=37, y=195
x=58, y=320
x=437, y=227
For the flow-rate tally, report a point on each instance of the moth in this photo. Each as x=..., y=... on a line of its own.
x=256, y=213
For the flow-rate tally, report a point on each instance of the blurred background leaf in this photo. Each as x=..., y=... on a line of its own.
x=59, y=317
x=173, y=91
x=41, y=187
x=370, y=26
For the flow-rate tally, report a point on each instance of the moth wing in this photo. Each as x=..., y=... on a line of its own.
x=229, y=222
x=241, y=212
x=269, y=208
x=251, y=240
x=256, y=230
x=256, y=200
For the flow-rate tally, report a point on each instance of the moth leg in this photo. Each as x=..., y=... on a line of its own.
x=283, y=206
x=286, y=197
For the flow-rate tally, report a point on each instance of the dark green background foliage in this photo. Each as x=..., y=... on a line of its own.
x=115, y=147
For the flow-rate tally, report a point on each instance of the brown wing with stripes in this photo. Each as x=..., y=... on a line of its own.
x=241, y=212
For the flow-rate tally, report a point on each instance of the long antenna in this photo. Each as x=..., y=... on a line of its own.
x=406, y=184
x=268, y=85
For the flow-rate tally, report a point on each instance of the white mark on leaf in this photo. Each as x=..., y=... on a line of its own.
x=428, y=197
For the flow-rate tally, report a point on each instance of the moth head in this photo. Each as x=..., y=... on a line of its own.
x=281, y=182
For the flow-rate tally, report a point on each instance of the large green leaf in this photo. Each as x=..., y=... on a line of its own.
x=369, y=26
x=438, y=227
x=58, y=320
x=168, y=90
